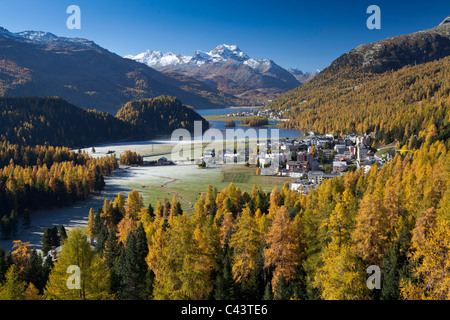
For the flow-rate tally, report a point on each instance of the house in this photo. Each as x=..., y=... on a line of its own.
x=343, y=156
x=390, y=154
x=340, y=148
x=362, y=152
x=317, y=176
x=304, y=156
x=164, y=162
x=339, y=166
x=296, y=166
x=302, y=186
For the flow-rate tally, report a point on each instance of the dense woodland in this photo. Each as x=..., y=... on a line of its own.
x=33, y=121
x=35, y=174
x=36, y=121
x=128, y=158
x=39, y=177
x=255, y=122
x=250, y=244
x=404, y=105
x=279, y=245
x=160, y=115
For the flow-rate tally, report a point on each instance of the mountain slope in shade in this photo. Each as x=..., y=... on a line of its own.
x=35, y=63
x=227, y=69
x=395, y=52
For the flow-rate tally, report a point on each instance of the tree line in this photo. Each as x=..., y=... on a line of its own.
x=282, y=244
x=37, y=121
x=160, y=115
x=254, y=122
x=45, y=177
x=128, y=158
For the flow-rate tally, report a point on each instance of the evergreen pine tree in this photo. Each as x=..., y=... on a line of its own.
x=395, y=266
x=26, y=220
x=268, y=294
x=151, y=211
x=129, y=269
x=34, y=271
x=4, y=264
x=224, y=281
x=98, y=221
x=282, y=289
x=55, y=237
x=110, y=252
x=5, y=227
x=102, y=236
x=13, y=219
x=46, y=241
x=62, y=234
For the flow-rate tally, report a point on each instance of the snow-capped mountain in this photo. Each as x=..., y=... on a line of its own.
x=219, y=55
x=37, y=63
x=45, y=38
x=157, y=59
x=227, y=68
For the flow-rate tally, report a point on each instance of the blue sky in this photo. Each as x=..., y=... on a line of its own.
x=308, y=35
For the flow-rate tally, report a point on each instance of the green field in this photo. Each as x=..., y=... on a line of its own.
x=188, y=182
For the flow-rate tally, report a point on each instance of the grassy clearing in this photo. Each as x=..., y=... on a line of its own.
x=380, y=153
x=188, y=182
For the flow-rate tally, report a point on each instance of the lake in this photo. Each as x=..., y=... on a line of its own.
x=220, y=125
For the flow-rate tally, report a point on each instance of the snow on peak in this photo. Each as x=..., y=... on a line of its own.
x=41, y=37
x=225, y=52
x=220, y=54
x=37, y=35
x=159, y=59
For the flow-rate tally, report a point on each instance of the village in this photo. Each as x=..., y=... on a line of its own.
x=311, y=159
x=273, y=115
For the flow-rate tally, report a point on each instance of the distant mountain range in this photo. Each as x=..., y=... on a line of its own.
x=228, y=69
x=35, y=63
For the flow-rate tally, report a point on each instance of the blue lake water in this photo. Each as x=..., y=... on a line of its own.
x=220, y=125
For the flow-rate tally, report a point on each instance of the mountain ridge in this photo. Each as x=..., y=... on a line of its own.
x=37, y=63
x=226, y=68
x=395, y=52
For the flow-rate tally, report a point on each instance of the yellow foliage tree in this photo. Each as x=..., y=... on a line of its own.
x=246, y=241
x=283, y=251
x=94, y=275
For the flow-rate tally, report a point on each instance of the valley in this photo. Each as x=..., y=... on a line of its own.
x=221, y=175
x=156, y=183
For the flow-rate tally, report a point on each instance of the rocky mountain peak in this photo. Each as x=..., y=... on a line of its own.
x=446, y=20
